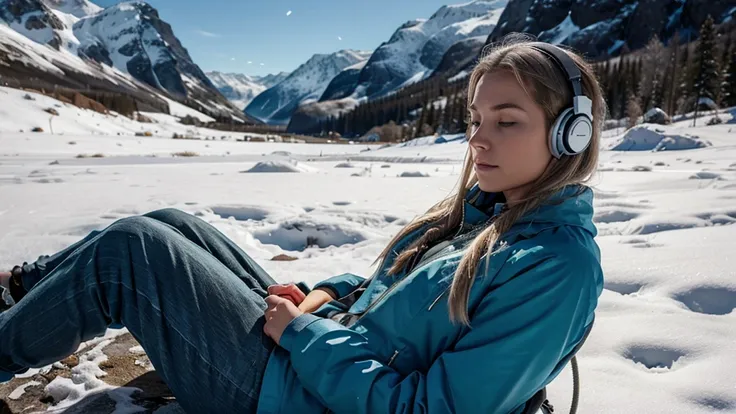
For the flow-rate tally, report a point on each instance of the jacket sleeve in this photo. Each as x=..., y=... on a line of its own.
x=519, y=332
x=341, y=285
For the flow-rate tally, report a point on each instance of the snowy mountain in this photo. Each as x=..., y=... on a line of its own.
x=306, y=84
x=240, y=89
x=460, y=55
x=413, y=53
x=601, y=28
x=132, y=37
x=128, y=39
x=33, y=19
x=417, y=47
x=77, y=8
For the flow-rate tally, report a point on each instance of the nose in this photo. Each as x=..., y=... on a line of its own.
x=480, y=140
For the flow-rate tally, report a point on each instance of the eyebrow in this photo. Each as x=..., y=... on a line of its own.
x=507, y=105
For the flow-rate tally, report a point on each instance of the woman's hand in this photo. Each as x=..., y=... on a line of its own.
x=307, y=304
x=315, y=299
x=290, y=292
x=279, y=314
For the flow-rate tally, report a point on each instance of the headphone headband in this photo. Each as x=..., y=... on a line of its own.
x=563, y=62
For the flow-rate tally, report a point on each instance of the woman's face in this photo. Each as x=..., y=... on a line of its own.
x=508, y=136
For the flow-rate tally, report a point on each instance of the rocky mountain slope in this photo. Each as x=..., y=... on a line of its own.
x=603, y=28
x=306, y=84
x=127, y=40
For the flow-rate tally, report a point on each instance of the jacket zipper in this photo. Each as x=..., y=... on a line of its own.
x=393, y=357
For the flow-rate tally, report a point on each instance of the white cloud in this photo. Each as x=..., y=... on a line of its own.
x=261, y=64
x=339, y=37
x=288, y=13
x=206, y=33
x=232, y=59
x=250, y=62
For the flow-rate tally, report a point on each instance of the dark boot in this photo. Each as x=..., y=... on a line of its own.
x=16, y=285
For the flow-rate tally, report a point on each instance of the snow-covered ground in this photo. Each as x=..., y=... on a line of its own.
x=665, y=334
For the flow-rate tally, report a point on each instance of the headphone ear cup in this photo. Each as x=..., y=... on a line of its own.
x=577, y=133
x=557, y=133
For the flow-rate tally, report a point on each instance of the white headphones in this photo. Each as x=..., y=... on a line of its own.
x=573, y=129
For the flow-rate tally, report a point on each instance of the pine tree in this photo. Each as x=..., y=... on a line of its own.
x=624, y=86
x=730, y=79
x=672, y=74
x=447, y=113
x=420, y=122
x=633, y=110
x=652, y=74
x=342, y=126
x=706, y=78
x=612, y=91
x=727, y=71
x=349, y=122
x=684, y=88
x=403, y=111
x=431, y=115
x=603, y=75
x=462, y=111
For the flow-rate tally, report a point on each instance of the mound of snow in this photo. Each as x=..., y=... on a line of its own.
x=650, y=137
x=279, y=167
x=431, y=140
x=413, y=174
x=345, y=165
x=656, y=116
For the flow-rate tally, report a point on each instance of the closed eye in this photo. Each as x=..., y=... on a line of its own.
x=506, y=124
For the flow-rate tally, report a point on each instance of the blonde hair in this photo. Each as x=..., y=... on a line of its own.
x=547, y=84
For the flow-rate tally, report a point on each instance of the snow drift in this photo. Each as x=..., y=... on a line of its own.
x=279, y=167
x=650, y=137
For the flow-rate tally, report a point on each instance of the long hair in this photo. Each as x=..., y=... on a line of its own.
x=548, y=85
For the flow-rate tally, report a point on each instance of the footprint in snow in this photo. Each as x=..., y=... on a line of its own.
x=710, y=300
x=241, y=213
x=654, y=358
x=715, y=403
x=49, y=181
x=623, y=288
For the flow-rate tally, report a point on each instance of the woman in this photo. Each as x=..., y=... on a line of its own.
x=475, y=306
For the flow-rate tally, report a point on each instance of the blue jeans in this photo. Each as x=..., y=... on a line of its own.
x=188, y=294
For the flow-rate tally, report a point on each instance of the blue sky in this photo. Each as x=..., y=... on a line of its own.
x=225, y=35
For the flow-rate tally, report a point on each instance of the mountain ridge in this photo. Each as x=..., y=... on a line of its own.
x=305, y=84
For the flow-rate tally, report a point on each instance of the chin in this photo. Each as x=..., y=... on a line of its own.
x=490, y=187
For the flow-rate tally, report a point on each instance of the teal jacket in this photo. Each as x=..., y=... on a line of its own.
x=529, y=306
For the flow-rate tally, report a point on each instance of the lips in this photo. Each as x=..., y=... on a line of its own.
x=480, y=166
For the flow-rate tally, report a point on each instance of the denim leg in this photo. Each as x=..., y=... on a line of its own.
x=193, y=228
x=218, y=245
x=201, y=326
x=45, y=264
